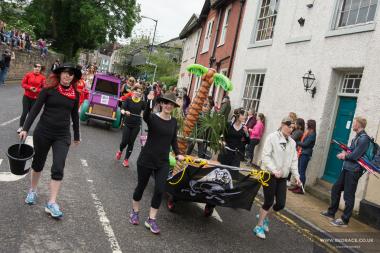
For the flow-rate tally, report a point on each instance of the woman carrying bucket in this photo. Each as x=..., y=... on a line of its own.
x=60, y=100
x=32, y=84
x=132, y=109
x=154, y=157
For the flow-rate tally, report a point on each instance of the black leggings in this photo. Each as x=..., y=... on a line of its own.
x=27, y=104
x=129, y=137
x=276, y=188
x=251, y=148
x=42, y=143
x=160, y=176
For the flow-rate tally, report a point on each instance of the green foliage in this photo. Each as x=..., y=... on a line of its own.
x=197, y=69
x=211, y=129
x=75, y=24
x=223, y=81
x=169, y=80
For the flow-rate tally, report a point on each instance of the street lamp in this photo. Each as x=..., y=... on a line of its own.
x=308, y=82
x=154, y=33
x=151, y=47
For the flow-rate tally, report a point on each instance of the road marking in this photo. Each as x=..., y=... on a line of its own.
x=106, y=224
x=7, y=176
x=84, y=163
x=10, y=121
x=215, y=214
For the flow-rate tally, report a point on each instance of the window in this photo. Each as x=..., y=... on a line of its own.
x=253, y=90
x=196, y=44
x=350, y=84
x=353, y=12
x=197, y=85
x=225, y=25
x=206, y=42
x=266, y=19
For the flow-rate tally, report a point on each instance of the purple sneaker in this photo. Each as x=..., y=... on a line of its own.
x=134, y=218
x=152, y=225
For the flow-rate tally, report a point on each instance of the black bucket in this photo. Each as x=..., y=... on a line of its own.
x=18, y=158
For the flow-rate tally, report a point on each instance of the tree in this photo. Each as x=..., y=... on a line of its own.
x=87, y=24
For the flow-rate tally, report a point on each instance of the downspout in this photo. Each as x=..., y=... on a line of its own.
x=242, y=2
x=212, y=58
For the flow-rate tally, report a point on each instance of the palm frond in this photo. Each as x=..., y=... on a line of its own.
x=222, y=81
x=211, y=129
x=197, y=69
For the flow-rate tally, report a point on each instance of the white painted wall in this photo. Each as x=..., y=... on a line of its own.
x=190, y=47
x=285, y=64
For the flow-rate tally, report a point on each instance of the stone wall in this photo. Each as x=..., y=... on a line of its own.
x=24, y=61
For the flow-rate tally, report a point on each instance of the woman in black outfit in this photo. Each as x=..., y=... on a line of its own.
x=154, y=157
x=60, y=101
x=236, y=136
x=131, y=108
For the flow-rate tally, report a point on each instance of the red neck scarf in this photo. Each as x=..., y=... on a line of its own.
x=69, y=92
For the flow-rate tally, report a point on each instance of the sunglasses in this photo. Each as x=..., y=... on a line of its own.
x=70, y=72
x=288, y=124
x=37, y=66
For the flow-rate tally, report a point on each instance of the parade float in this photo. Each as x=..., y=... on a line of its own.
x=208, y=181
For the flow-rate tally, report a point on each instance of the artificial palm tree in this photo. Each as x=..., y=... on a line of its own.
x=209, y=77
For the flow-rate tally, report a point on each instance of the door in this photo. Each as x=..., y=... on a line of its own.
x=341, y=133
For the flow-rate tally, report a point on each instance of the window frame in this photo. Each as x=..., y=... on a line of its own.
x=338, y=16
x=251, y=98
x=208, y=36
x=344, y=79
x=267, y=42
x=223, y=34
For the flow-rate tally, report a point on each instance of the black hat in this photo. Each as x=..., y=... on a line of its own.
x=69, y=66
x=168, y=97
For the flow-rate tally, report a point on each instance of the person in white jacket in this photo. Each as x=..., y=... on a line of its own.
x=279, y=157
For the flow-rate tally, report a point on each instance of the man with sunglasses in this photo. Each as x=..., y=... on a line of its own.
x=32, y=83
x=279, y=157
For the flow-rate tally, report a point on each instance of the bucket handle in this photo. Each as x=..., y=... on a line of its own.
x=20, y=145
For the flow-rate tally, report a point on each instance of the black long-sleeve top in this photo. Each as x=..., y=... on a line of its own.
x=161, y=135
x=235, y=139
x=55, y=118
x=134, y=108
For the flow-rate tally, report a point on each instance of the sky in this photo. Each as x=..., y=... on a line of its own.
x=172, y=16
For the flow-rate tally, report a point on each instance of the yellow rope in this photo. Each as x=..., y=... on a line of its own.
x=260, y=175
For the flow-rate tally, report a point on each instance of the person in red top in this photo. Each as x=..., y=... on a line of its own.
x=32, y=83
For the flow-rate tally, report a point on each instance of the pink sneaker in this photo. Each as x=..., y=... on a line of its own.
x=126, y=163
x=118, y=155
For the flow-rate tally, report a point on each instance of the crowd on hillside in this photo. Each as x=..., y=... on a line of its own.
x=18, y=39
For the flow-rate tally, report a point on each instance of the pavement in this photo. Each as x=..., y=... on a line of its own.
x=96, y=200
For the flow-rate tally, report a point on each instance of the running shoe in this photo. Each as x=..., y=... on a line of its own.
x=53, y=210
x=126, y=163
x=152, y=225
x=265, y=224
x=259, y=232
x=338, y=223
x=118, y=155
x=134, y=218
x=19, y=130
x=31, y=198
x=170, y=205
x=327, y=215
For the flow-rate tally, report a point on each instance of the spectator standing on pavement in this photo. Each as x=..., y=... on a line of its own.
x=5, y=63
x=293, y=117
x=305, y=150
x=32, y=83
x=279, y=158
x=60, y=101
x=154, y=157
x=255, y=135
x=250, y=122
x=299, y=130
x=349, y=175
x=186, y=101
x=225, y=108
x=127, y=86
x=131, y=109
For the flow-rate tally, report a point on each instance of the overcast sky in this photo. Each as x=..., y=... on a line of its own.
x=172, y=16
